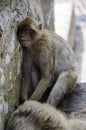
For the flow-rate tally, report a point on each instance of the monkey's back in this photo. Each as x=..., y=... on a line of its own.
x=62, y=53
x=35, y=116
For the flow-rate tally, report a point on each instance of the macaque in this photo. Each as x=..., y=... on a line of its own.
x=53, y=61
x=33, y=115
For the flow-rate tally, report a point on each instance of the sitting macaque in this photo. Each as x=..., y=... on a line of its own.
x=49, y=65
x=33, y=115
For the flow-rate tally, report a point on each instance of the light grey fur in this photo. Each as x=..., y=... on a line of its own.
x=33, y=115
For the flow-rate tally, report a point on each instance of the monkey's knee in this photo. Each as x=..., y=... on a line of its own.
x=72, y=78
x=64, y=85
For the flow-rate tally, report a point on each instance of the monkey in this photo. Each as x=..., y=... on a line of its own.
x=51, y=57
x=33, y=115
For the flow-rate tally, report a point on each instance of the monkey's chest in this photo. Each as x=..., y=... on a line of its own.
x=36, y=59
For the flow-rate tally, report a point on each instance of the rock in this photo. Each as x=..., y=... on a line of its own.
x=48, y=14
x=3, y=112
x=76, y=100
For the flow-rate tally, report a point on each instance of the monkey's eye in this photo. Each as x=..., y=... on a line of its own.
x=24, y=30
x=20, y=30
x=31, y=31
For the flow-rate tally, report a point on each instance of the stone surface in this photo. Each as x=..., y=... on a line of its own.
x=76, y=100
x=3, y=112
x=48, y=14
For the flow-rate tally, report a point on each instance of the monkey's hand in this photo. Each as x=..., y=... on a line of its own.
x=41, y=88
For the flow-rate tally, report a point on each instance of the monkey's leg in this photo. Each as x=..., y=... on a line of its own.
x=63, y=85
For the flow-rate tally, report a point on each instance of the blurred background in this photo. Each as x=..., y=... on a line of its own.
x=70, y=23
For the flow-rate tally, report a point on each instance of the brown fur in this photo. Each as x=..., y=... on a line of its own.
x=53, y=59
x=33, y=115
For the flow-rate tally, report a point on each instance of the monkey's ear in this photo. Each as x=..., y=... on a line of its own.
x=34, y=27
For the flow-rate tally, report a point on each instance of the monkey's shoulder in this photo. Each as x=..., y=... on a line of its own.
x=53, y=38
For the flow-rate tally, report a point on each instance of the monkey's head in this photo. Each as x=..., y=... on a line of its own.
x=27, y=31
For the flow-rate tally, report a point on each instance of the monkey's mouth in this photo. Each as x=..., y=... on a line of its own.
x=24, y=42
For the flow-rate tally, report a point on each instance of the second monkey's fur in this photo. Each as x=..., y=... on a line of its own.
x=33, y=115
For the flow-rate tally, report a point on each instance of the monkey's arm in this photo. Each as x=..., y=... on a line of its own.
x=46, y=69
x=26, y=77
x=25, y=88
x=41, y=88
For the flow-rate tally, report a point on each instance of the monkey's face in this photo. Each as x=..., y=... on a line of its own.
x=23, y=35
x=28, y=31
